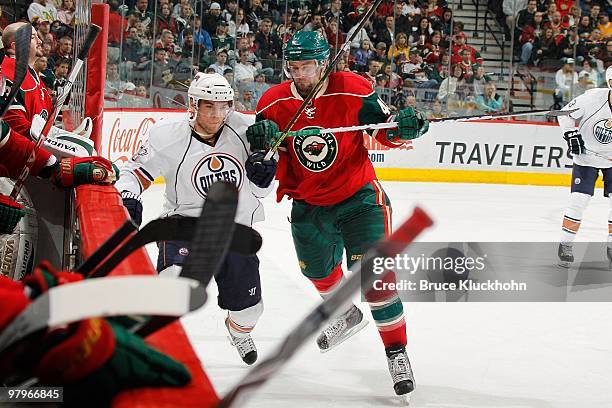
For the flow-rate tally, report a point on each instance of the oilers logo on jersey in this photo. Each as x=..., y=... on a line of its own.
x=602, y=130
x=216, y=167
x=316, y=152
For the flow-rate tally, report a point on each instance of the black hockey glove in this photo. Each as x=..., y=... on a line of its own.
x=261, y=172
x=132, y=203
x=575, y=144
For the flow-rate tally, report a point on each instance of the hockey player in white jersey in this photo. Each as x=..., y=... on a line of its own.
x=588, y=132
x=193, y=153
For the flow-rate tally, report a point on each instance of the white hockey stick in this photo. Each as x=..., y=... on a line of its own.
x=391, y=125
x=110, y=296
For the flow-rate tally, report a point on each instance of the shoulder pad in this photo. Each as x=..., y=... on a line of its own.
x=349, y=83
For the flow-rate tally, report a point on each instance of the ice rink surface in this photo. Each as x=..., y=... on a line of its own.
x=463, y=354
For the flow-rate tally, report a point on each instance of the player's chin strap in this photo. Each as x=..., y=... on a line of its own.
x=345, y=49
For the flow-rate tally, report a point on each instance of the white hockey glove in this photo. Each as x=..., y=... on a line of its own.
x=575, y=144
x=62, y=143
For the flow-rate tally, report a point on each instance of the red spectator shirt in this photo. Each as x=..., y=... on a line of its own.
x=116, y=25
x=33, y=98
x=456, y=56
x=324, y=169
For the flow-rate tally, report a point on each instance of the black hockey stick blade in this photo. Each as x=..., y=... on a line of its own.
x=210, y=243
x=107, y=247
x=245, y=241
x=138, y=294
x=363, y=276
x=92, y=34
x=23, y=37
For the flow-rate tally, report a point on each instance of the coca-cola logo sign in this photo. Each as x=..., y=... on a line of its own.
x=125, y=139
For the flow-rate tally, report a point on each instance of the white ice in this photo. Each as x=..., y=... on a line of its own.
x=463, y=354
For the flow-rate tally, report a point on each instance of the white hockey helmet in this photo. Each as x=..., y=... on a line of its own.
x=609, y=76
x=208, y=87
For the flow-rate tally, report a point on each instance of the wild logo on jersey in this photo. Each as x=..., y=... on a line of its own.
x=603, y=131
x=316, y=152
x=216, y=167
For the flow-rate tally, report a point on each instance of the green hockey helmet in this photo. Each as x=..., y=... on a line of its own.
x=306, y=45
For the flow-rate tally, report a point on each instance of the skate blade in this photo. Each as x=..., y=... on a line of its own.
x=404, y=400
x=565, y=264
x=349, y=334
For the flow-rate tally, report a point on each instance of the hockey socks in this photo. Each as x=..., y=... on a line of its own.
x=573, y=216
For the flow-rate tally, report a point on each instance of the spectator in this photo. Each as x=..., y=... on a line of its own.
x=605, y=26
x=220, y=65
x=269, y=47
x=40, y=66
x=60, y=74
x=436, y=111
x=433, y=49
x=511, y=10
x=185, y=18
x=566, y=79
x=594, y=15
x=529, y=35
x=585, y=82
x=394, y=80
x=239, y=27
x=409, y=16
x=478, y=80
x=228, y=74
x=212, y=18
x=164, y=20
x=116, y=31
x=400, y=51
x=64, y=50
x=176, y=11
x=66, y=12
x=571, y=44
x=166, y=41
x=181, y=66
x=450, y=88
x=490, y=101
x=387, y=33
x=334, y=37
x=247, y=102
x=422, y=33
x=229, y=14
x=564, y=6
x=160, y=64
x=381, y=52
x=461, y=44
x=546, y=50
x=260, y=86
x=526, y=16
x=201, y=38
x=359, y=37
x=584, y=26
x=593, y=74
x=44, y=32
x=557, y=24
x=255, y=13
x=221, y=40
x=447, y=22
x=373, y=70
x=573, y=17
x=42, y=10
x=432, y=9
x=142, y=11
x=335, y=13
x=362, y=56
x=316, y=23
x=244, y=70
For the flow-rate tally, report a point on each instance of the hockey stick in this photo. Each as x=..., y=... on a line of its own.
x=330, y=67
x=112, y=296
x=363, y=276
x=107, y=247
x=244, y=241
x=211, y=242
x=391, y=125
x=23, y=37
x=93, y=32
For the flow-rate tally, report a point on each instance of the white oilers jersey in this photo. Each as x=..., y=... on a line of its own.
x=594, y=117
x=190, y=166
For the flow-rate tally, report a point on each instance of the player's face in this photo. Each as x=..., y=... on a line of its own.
x=211, y=115
x=35, y=46
x=305, y=74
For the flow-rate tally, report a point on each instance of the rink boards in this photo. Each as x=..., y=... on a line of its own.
x=501, y=152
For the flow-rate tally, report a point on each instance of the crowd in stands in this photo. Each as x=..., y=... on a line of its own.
x=573, y=38
x=414, y=52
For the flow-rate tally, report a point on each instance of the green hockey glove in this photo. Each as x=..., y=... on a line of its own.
x=262, y=135
x=411, y=124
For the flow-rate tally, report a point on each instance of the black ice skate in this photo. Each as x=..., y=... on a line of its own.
x=340, y=329
x=245, y=346
x=400, y=370
x=566, y=254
